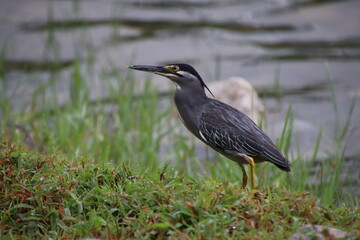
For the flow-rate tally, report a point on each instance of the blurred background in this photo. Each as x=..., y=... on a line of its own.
x=302, y=56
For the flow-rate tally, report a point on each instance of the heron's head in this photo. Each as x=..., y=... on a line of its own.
x=183, y=75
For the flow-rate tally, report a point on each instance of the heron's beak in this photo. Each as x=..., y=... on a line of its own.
x=160, y=70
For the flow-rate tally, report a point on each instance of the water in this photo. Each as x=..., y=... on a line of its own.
x=297, y=43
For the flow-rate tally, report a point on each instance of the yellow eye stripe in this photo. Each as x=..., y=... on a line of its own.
x=172, y=68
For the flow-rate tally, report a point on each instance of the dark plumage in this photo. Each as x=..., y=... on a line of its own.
x=227, y=129
x=222, y=127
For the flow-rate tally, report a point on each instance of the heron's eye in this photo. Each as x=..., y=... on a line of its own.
x=175, y=68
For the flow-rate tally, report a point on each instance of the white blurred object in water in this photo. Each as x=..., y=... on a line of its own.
x=240, y=94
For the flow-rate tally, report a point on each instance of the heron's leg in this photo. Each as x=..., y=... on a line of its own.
x=245, y=177
x=250, y=160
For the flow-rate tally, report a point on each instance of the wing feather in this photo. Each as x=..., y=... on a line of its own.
x=226, y=128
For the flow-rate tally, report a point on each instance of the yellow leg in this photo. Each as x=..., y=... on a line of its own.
x=245, y=177
x=250, y=160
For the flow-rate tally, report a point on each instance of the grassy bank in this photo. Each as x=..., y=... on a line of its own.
x=49, y=196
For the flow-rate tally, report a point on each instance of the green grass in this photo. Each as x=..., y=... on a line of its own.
x=46, y=196
x=101, y=162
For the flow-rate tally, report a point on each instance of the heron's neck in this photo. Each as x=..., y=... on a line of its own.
x=189, y=96
x=189, y=104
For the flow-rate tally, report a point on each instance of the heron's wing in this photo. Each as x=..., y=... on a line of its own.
x=226, y=128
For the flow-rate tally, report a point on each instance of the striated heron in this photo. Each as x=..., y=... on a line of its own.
x=222, y=127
